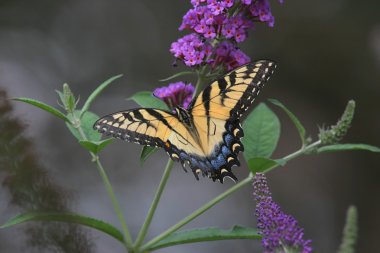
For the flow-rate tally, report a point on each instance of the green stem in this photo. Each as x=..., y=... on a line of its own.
x=220, y=197
x=116, y=205
x=148, y=220
x=127, y=236
x=198, y=212
x=201, y=79
x=297, y=153
x=302, y=150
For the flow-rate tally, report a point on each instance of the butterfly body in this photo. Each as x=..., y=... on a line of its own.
x=207, y=135
x=184, y=116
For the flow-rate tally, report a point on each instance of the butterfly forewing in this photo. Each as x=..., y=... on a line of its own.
x=152, y=127
x=230, y=96
x=144, y=126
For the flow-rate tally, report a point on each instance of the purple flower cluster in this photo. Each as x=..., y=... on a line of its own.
x=227, y=53
x=191, y=49
x=175, y=94
x=216, y=22
x=280, y=231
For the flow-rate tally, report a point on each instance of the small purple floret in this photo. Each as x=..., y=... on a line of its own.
x=191, y=49
x=228, y=54
x=279, y=230
x=175, y=94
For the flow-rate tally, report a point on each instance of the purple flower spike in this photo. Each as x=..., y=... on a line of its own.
x=280, y=231
x=175, y=94
x=214, y=23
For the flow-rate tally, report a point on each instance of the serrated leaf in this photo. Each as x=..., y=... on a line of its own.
x=146, y=99
x=146, y=151
x=348, y=146
x=262, y=164
x=66, y=217
x=177, y=75
x=95, y=146
x=296, y=122
x=44, y=107
x=261, y=133
x=96, y=92
x=87, y=122
x=206, y=234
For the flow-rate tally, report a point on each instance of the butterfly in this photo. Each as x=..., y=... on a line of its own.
x=207, y=135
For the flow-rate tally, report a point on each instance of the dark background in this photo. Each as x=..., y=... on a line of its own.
x=328, y=52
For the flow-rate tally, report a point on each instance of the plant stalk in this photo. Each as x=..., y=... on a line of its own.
x=127, y=236
x=297, y=153
x=116, y=205
x=156, y=199
x=198, y=212
x=201, y=79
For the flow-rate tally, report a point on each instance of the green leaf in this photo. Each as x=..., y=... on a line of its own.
x=61, y=97
x=261, y=133
x=177, y=75
x=96, y=92
x=70, y=102
x=44, y=107
x=146, y=99
x=146, y=151
x=87, y=122
x=66, y=217
x=262, y=164
x=206, y=234
x=347, y=146
x=296, y=122
x=95, y=146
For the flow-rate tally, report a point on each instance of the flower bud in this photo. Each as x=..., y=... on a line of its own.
x=336, y=133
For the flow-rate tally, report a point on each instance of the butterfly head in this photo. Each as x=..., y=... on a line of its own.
x=183, y=115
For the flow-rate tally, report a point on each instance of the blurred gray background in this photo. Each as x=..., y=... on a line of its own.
x=328, y=52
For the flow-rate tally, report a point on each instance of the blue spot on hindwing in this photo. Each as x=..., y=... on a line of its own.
x=195, y=163
x=183, y=156
x=221, y=160
x=228, y=139
x=225, y=151
x=218, y=161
